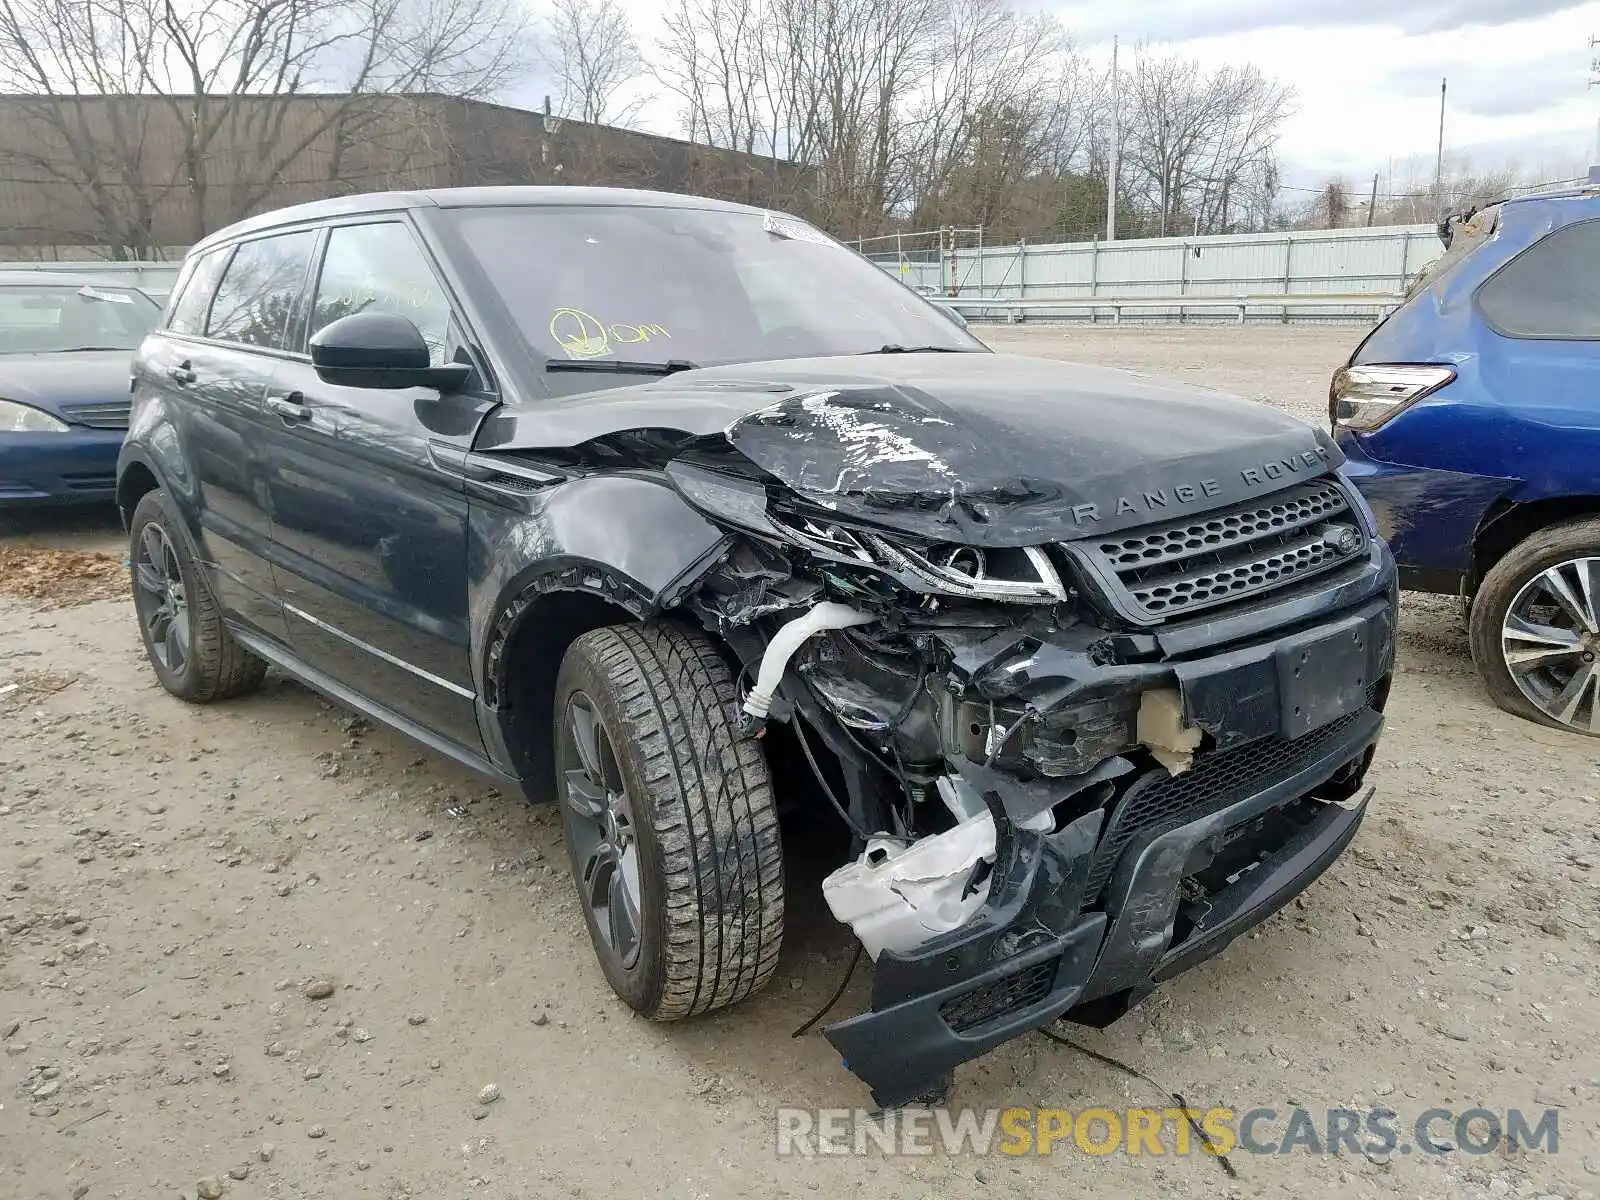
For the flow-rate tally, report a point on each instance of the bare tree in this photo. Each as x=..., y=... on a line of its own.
x=1331, y=207
x=710, y=57
x=59, y=138
x=1199, y=141
x=885, y=101
x=1004, y=104
x=590, y=49
x=145, y=107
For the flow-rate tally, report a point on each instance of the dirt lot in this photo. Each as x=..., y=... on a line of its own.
x=171, y=878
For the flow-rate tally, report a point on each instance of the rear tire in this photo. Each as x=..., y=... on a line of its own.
x=671, y=830
x=1557, y=653
x=190, y=649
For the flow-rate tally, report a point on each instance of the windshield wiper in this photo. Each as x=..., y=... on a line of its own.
x=88, y=349
x=621, y=366
x=894, y=348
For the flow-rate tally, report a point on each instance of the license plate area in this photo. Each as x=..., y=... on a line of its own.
x=1323, y=678
x=1287, y=688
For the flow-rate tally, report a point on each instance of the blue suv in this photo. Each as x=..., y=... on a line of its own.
x=1471, y=420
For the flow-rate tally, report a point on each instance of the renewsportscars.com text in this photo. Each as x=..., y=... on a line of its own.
x=1162, y=1131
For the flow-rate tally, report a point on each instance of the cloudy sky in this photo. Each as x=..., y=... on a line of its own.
x=1366, y=74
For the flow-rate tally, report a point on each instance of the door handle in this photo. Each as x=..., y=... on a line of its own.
x=183, y=372
x=291, y=407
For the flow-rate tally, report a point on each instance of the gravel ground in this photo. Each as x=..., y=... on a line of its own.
x=262, y=949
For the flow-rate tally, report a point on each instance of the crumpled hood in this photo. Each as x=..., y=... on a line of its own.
x=986, y=449
x=50, y=381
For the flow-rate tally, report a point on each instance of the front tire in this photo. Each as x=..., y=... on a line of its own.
x=671, y=829
x=1535, y=627
x=190, y=649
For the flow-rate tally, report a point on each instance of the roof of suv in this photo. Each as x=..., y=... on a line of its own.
x=1588, y=191
x=467, y=197
x=66, y=278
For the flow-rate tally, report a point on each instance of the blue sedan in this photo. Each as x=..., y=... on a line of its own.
x=65, y=347
x=1471, y=419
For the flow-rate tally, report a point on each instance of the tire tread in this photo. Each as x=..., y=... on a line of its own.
x=220, y=668
x=712, y=810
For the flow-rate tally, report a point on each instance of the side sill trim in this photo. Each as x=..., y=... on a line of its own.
x=338, y=692
x=437, y=681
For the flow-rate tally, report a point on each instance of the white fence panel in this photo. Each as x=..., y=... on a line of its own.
x=1337, y=261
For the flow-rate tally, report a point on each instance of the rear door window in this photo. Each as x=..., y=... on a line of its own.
x=259, y=296
x=1551, y=291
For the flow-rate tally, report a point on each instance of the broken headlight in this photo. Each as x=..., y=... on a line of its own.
x=1019, y=575
x=1022, y=575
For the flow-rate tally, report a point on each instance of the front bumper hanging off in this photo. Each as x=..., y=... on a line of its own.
x=1085, y=921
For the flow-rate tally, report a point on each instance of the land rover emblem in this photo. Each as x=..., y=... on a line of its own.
x=1346, y=539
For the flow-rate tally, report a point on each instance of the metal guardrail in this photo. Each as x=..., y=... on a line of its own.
x=1016, y=310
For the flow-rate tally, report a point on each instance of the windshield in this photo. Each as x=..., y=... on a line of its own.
x=643, y=285
x=52, y=318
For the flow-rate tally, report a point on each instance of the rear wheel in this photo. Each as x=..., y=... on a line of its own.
x=1535, y=628
x=671, y=830
x=190, y=649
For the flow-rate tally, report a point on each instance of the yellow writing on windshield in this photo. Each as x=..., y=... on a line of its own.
x=583, y=335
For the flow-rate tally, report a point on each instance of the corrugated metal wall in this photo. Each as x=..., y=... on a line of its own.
x=1336, y=261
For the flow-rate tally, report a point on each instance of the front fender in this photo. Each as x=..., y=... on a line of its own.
x=628, y=539
x=155, y=443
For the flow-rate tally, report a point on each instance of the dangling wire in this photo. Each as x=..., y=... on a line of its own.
x=822, y=781
x=833, y=999
x=1107, y=1060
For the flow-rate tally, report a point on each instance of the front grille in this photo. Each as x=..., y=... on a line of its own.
x=1160, y=802
x=99, y=416
x=1006, y=995
x=1163, y=571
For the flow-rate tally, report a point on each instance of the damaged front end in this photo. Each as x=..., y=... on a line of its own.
x=1092, y=703
x=1074, y=768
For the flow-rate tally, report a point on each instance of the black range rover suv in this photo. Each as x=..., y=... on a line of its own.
x=619, y=497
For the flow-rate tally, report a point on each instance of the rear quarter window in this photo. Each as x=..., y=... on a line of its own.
x=194, y=297
x=1551, y=291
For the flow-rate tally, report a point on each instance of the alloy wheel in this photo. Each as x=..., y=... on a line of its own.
x=1550, y=640
x=600, y=828
x=160, y=598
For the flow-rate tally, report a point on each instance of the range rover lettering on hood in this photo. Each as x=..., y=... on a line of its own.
x=1307, y=463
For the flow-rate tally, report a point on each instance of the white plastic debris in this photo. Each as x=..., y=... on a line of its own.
x=897, y=896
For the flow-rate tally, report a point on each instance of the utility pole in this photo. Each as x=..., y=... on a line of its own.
x=1372, y=204
x=1594, y=81
x=1116, y=146
x=1438, y=170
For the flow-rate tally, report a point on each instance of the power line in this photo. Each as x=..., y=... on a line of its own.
x=1422, y=191
x=1594, y=81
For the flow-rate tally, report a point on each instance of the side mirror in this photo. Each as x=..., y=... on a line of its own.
x=380, y=350
x=951, y=312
